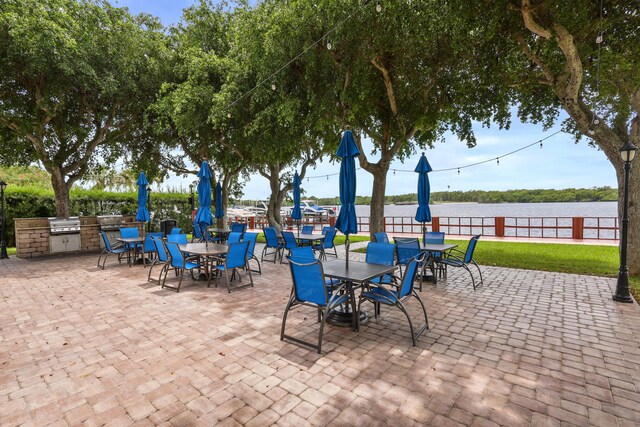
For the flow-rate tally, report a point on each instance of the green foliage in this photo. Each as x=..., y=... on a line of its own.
x=25, y=176
x=25, y=202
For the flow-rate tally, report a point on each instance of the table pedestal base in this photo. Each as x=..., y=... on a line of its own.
x=342, y=317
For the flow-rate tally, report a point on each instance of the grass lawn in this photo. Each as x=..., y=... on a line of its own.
x=564, y=258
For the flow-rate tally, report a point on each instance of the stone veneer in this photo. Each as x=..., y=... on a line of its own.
x=32, y=235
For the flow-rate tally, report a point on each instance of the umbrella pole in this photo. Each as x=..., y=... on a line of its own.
x=424, y=229
x=346, y=248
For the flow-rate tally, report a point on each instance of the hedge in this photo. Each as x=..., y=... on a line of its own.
x=25, y=202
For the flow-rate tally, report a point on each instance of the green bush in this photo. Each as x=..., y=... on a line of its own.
x=27, y=202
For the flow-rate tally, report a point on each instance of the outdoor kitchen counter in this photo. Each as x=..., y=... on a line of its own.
x=33, y=235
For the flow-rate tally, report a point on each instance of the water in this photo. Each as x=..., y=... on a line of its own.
x=567, y=209
x=553, y=220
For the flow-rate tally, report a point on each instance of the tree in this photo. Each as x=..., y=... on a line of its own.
x=552, y=64
x=75, y=78
x=400, y=78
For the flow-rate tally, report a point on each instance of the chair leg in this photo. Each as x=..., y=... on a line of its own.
x=226, y=275
x=479, y=271
x=250, y=277
x=284, y=317
x=155, y=261
x=424, y=311
x=473, y=282
x=321, y=333
x=401, y=307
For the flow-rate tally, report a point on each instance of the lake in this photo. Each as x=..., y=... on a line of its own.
x=566, y=209
x=552, y=220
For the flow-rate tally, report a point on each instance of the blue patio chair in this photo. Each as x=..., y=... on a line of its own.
x=119, y=250
x=398, y=297
x=178, y=262
x=234, y=237
x=304, y=255
x=238, y=227
x=382, y=254
x=381, y=237
x=310, y=289
x=307, y=229
x=463, y=259
x=176, y=230
x=289, y=241
x=235, y=258
x=162, y=256
x=328, y=243
x=197, y=233
x=252, y=238
x=436, y=237
x=271, y=237
x=127, y=233
x=408, y=248
x=326, y=229
x=179, y=238
x=149, y=246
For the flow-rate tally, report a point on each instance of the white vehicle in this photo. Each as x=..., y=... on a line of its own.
x=239, y=212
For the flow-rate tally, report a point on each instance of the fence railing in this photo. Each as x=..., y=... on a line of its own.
x=598, y=228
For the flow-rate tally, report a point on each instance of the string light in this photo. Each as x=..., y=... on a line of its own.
x=498, y=161
x=327, y=177
x=458, y=171
x=273, y=86
x=229, y=115
x=394, y=171
x=378, y=6
x=599, y=39
x=541, y=144
x=329, y=45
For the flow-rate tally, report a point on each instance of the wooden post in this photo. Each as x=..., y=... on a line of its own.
x=499, y=221
x=578, y=228
x=435, y=223
x=252, y=222
x=332, y=221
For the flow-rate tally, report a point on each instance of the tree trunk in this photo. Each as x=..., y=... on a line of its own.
x=275, y=201
x=222, y=222
x=61, y=191
x=376, y=220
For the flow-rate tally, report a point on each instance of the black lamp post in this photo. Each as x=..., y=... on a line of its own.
x=191, y=199
x=627, y=152
x=3, y=231
x=149, y=207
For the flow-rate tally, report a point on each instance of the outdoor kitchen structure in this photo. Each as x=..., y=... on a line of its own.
x=49, y=236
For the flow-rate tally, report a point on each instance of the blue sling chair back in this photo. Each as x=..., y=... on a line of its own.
x=328, y=243
x=235, y=258
x=119, y=250
x=381, y=237
x=178, y=262
x=435, y=237
x=408, y=248
x=179, y=238
x=289, y=241
x=398, y=297
x=252, y=238
x=272, y=242
x=310, y=289
x=459, y=259
x=382, y=254
x=162, y=257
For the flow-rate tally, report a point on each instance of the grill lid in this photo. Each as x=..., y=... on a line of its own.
x=69, y=225
x=110, y=222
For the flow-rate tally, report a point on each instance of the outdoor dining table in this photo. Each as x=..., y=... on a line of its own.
x=132, y=242
x=357, y=274
x=222, y=233
x=430, y=248
x=208, y=251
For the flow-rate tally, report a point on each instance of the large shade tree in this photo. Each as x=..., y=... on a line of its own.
x=75, y=78
x=553, y=65
x=400, y=78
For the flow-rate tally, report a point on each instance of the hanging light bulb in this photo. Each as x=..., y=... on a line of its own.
x=273, y=86
x=498, y=160
x=229, y=115
x=540, y=144
x=307, y=179
x=329, y=45
x=599, y=39
x=591, y=131
x=596, y=121
x=327, y=177
x=458, y=171
x=394, y=171
x=378, y=6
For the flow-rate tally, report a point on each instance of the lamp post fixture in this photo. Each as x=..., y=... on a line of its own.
x=149, y=207
x=627, y=152
x=3, y=230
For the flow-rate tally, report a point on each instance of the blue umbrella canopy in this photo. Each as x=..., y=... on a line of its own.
x=296, y=213
x=348, y=150
x=142, y=214
x=423, y=213
x=203, y=216
x=219, y=212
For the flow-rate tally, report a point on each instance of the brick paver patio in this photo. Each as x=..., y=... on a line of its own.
x=85, y=346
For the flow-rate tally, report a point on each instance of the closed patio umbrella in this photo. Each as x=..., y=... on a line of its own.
x=296, y=213
x=219, y=211
x=203, y=216
x=423, y=213
x=142, y=213
x=347, y=221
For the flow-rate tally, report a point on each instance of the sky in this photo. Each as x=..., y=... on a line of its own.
x=560, y=163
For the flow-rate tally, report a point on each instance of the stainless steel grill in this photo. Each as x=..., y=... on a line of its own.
x=69, y=225
x=110, y=222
